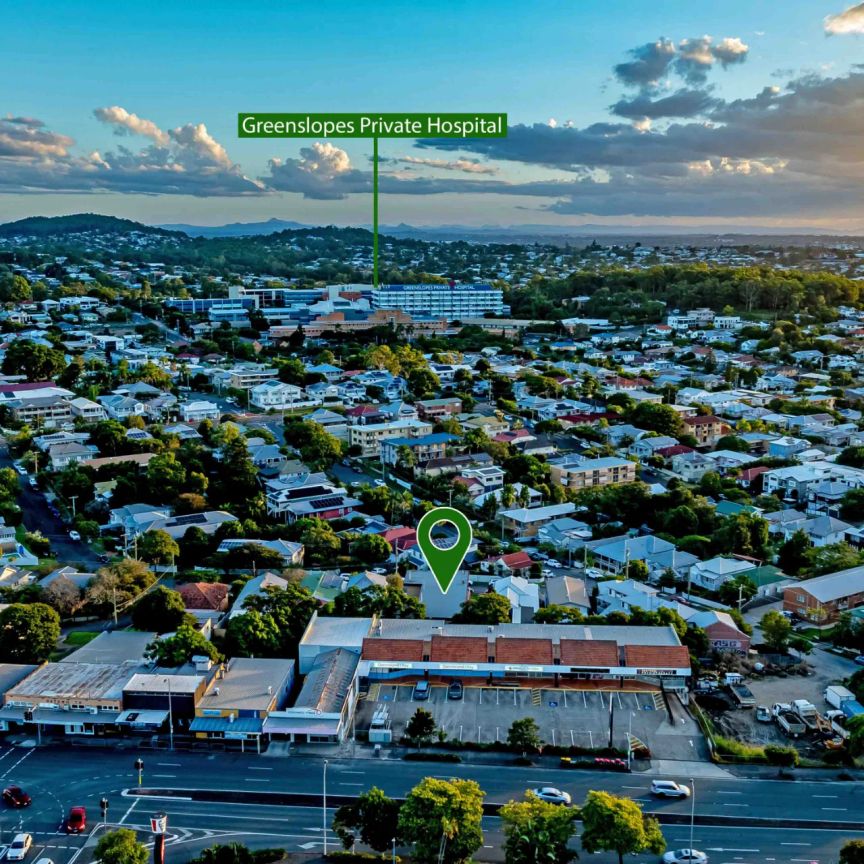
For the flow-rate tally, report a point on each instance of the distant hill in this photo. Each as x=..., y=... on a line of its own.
x=237, y=229
x=55, y=226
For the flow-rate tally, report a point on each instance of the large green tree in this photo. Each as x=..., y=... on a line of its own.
x=538, y=832
x=776, y=630
x=158, y=547
x=160, y=611
x=443, y=819
x=121, y=847
x=524, y=735
x=275, y=631
x=484, y=609
x=616, y=824
x=186, y=643
x=28, y=632
x=32, y=359
x=373, y=819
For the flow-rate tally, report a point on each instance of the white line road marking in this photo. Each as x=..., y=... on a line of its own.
x=163, y=775
x=16, y=764
x=794, y=844
x=169, y=764
x=736, y=805
x=256, y=780
x=132, y=806
x=835, y=809
x=730, y=793
x=253, y=768
x=825, y=796
x=351, y=784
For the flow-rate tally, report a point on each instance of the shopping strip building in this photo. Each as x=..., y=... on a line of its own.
x=362, y=650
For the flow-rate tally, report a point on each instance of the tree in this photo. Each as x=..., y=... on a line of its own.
x=166, y=475
x=638, y=570
x=158, y=547
x=554, y=614
x=792, y=556
x=524, y=736
x=370, y=549
x=160, y=610
x=614, y=824
x=657, y=418
x=319, y=539
x=317, y=447
x=745, y=533
x=800, y=645
x=832, y=558
x=28, y=632
x=776, y=630
x=35, y=361
x=186, y=643
x=390, y=601
x=443, y=814
x=537, y=831
x=421, y=727
x=484, y=609
x=374, y=816
x=855, y=741
x=852, y=852
x=64, y=596
x=852, y=506
x=738, y=588
x=119, y=584
x=121, y=847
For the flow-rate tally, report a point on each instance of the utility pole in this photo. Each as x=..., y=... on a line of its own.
x=73, y=499
x=170, y=716
x=611, y=717
x=324, y=808
x=692, y=809
x=114, y=593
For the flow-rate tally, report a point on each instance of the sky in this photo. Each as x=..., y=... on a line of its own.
x=621, y=112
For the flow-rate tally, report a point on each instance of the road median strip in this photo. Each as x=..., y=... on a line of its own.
x=490, y=808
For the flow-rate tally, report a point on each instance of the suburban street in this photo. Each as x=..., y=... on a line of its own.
x=176, y=782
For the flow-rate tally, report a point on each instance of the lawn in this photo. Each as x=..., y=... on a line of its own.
x=77, y=638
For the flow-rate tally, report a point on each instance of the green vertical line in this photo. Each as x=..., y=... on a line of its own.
x=375, y=212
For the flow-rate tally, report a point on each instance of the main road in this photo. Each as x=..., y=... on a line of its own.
x=761, y=820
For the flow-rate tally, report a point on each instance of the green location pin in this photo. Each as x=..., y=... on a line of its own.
x=444, y=563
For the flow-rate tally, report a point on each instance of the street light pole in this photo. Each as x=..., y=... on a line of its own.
x=692, y=810
x=73, y=499
x=629, y=740
x=324, y=808
x=394, y=851
x=170, y=716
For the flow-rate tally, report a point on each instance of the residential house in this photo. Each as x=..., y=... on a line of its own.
x=527, y=521
x=711, y=574
x=437, y=410
x=590, y=473
x=824, y=598
x=423, y=448
x=368, y=437
x=567, y=591
x=706, y=429
x=195, y=412
x=524, y=597
x=693, y=466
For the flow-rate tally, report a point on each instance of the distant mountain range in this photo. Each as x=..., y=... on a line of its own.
x=51, y=226
x=58, y=226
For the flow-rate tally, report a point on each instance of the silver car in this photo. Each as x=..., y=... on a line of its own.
x=552, y=795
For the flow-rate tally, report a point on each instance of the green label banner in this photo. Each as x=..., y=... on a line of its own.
x=254, y=125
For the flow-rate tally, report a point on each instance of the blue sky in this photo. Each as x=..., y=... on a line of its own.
x=178, y=66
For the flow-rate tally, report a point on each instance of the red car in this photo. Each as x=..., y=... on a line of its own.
x=15, y=796
x=77, y=820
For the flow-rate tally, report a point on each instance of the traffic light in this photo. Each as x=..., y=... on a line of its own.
x=28, y=715
x=139, y=764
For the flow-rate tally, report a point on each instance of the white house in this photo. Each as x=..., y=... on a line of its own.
x=195, y=412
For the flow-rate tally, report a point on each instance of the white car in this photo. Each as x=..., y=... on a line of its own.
x=669, y=789
x=594, y=573
x=20, y=469
x=685, y=856
x=74, y=535
x=553, y=563
x=20, y=847
x=552, y=795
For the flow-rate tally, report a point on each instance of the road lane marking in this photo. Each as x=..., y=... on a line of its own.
x=163, y=775
x=825, y=796
x=169, y=764
x=253, y=768
x=730, y=793
x=351, y=784
x=835, y=809
x=735, y=805
x=132, y=806
x=794, y=844
x=16, y=764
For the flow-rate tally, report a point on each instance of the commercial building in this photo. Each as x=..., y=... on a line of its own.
x=453, y=302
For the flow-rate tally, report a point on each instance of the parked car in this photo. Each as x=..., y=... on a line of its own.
x=669, y=789
x=763, y=714
x=552, y=795
x=34, y=484
x=685, y=856
x=455, y=690
x=77, y=820
x=15, y=796
x=74, y=535
x=421, y=691
x=859, y=660
x=20, y=469
x=594, y=573
x=21, y=844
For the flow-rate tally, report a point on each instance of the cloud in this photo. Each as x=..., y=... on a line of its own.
x=125, y=123
x=850, y=20
x=27, y=138
x=467, y=166
x=649, y=64
x=182, y=161
x=683, y=103
x=696, y=56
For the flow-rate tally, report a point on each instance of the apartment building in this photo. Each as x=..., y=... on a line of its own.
x=249, y=375
x=49, y=412
x=450, y=301
x=438, y=409
x=368, y=437
x=590, y=473
x=707, y=430
x=424, y=448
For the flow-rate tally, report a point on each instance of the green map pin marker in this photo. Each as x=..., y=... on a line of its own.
x=444, y=563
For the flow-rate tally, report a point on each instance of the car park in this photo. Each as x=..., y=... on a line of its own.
x=15, y=796
x=669, y=789
x=455, y=690
x=685, y=856
x=19, y=847
x=76, y=821
x=552, y=795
